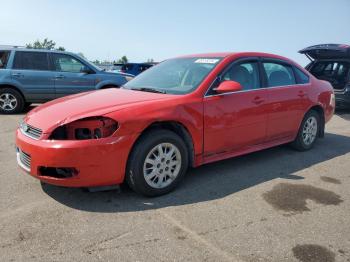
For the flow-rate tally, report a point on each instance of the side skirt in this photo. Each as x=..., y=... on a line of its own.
x=247, y=150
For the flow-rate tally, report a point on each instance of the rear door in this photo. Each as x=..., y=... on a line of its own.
x=287, y=99
x=31, y=71
x=69, y=75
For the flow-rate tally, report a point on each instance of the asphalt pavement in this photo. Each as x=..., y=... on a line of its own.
x=273, y=205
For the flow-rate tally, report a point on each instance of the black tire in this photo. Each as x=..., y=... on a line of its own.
x=109, y=86
x=19, y=105
x=134, y=172
x=299, y=142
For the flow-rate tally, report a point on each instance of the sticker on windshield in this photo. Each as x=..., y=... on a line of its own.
x=206, y=61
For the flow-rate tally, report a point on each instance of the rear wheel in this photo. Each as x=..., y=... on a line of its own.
x=308, y=131
x=11, y=101
x=157, y=163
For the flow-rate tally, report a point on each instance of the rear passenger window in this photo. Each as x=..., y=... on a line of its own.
x=278, y=74
x=4, y=56
x=247, y=74
x=302, y=78
x=31, y=61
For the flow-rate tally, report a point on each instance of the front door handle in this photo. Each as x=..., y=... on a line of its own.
x=17, y=74
x=258, y=100
x=60, y=77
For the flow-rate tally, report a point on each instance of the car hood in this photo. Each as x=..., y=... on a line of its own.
x=96, y=103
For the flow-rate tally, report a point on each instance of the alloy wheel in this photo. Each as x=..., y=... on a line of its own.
x=162, y=165
x=310, y=130
x=8, y=102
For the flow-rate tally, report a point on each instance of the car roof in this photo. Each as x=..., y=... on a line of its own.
x=237, y=55
x=22, y=48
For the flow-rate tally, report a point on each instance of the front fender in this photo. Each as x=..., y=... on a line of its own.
x=114, y=82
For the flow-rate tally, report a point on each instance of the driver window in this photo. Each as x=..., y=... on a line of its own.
x=66, y=63
x=247, y=74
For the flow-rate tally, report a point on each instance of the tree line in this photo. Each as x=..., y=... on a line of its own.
x=51, y=45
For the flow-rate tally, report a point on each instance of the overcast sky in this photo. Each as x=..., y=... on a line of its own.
x=159, y=29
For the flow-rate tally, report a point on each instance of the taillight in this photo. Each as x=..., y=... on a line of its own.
x=332, y=100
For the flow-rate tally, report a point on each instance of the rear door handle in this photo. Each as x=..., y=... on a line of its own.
x=257, y=100
x=301, y=94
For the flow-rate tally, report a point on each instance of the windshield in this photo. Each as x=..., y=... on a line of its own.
x=174, y=76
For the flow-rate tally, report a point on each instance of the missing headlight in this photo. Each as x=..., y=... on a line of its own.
x=87, y=128
x=82, y=133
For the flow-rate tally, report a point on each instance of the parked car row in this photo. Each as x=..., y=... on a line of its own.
x=36, y=76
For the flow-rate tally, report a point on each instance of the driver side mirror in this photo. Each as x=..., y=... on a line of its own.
x=86, y=70
x=228, y=86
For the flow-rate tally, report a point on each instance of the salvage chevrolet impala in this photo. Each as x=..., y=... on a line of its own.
x=183, y=112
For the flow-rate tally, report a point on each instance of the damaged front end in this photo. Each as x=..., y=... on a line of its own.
x=86, y=128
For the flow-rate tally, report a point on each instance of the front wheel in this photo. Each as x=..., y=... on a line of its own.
x=308, y=131
x=157, y=163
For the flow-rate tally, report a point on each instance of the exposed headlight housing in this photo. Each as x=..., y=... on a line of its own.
x=86, y=128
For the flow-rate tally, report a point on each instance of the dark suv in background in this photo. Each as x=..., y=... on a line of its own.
x=35, y=76
x=132, y=68
x=331, y=62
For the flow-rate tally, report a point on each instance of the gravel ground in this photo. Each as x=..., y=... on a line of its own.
x=273, y=205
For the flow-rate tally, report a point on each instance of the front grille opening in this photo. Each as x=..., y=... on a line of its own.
x=58, y=172
x=24, y=158
x=31, y=131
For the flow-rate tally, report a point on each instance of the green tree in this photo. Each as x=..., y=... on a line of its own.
x=123, y=60
x=45, y=44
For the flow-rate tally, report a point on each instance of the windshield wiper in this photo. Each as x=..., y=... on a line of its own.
x=148, y=89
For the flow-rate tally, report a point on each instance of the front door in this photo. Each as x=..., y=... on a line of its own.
x=69, y=77
x=236, y=121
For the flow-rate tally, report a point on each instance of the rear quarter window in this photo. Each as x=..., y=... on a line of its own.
x=301, y=77
x=4, y=56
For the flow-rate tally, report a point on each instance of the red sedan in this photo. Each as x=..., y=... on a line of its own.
x=183, y=112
